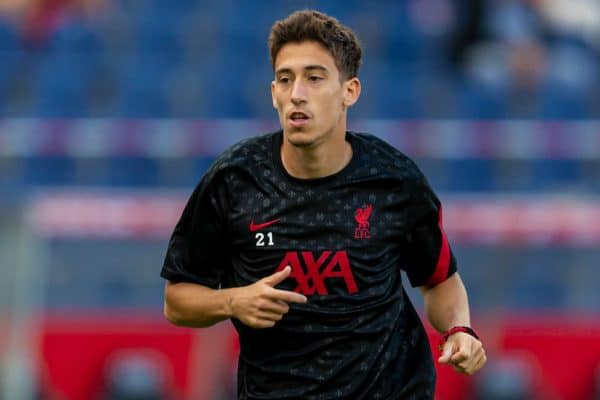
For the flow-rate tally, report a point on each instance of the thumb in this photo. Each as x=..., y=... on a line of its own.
x=277, y=277
x=446, y=353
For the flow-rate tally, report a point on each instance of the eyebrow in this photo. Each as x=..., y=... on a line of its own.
x=306, y=68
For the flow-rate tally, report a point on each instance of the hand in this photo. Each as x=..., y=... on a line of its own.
x=260, y=305
x=464, y=352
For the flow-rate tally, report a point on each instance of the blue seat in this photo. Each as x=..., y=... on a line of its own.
x=49, y=170
x=11, y=56
x=406, y=45
x=471, y=175
x=479, y=274
x=226, y=97
x=142, y=88
x=157, y=52
x=158, y=36
x=133, y=172
x=478, y=102
x=88, y=273
x=9, y=38
x=558, y=102
x=539, y=284
x=62, y=87
x=68, y=67
x=584, y=280
x=555, y=173
x=399, y=97
x=373, y=78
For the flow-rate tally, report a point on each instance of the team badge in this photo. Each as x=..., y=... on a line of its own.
x=362, y=215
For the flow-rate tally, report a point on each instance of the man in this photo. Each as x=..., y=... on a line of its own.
x=299, y=238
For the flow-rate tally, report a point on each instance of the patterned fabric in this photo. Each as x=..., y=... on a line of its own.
x=347, y=237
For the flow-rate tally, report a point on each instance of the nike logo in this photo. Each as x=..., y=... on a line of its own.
x=257, y=227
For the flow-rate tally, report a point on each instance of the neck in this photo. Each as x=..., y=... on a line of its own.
x=316, y=161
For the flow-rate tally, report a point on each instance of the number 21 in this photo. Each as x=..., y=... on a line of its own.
x=260, y=239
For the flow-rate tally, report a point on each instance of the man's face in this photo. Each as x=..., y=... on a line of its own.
x=308, y=95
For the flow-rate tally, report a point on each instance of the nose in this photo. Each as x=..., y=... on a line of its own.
x=298, y=92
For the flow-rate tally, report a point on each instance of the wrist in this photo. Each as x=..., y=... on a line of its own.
x=229, y=306
x=465, y=329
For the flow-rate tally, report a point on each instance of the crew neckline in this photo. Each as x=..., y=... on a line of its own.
x=350, y=138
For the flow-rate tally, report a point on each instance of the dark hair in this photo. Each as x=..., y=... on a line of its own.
x=315, y=26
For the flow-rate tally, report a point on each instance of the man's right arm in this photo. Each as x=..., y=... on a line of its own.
x=193, y=305
x=259, y=305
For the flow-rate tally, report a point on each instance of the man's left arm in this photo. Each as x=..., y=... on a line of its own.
x=447, y=307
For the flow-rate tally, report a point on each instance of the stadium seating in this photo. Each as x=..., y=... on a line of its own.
x=142, y=45
x=11, y=54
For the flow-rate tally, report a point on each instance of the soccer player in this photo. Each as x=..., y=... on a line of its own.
x=299, y=237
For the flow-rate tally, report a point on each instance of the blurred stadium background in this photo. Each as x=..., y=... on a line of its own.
x=112, y=109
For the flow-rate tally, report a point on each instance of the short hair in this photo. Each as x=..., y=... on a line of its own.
x=315, y=26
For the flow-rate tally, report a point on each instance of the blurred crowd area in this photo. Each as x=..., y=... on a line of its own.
x=111, y=111
x=482, y=59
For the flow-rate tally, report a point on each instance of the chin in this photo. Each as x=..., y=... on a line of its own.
x=299, y=138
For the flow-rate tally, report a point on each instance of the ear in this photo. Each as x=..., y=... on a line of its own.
x=273, y=95
x=351, y=91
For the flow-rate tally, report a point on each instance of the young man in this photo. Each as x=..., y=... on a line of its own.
x=299, y=238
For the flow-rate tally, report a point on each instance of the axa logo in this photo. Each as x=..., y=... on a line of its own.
x=362, y=215
x=311, y=272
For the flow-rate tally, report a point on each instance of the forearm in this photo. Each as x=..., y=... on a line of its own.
x=446, y=304
x=193, y=305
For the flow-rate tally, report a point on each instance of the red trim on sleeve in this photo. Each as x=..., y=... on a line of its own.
x=441, y=269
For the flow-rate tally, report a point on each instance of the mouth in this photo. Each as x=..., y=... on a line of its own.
x=298, y=118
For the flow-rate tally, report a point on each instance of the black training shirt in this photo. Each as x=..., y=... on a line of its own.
x=347, y=237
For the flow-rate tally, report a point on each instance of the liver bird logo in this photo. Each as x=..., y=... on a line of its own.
x=362, y=216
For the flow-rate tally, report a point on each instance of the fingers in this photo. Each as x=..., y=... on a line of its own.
x=283, y=295
x=279, y=307
x=277, y=277
x=466, y=354
x=269, y=316
x=476, y=361
x=264, y=319
x=258, y=323
x=480, y=362
x=446, y=353
x=474, y=364
x=261, y=305
x=460, y=356
x=266, y=310
x=288, y=296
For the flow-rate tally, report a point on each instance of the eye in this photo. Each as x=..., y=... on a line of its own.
x=315, y=78
x=283, y=79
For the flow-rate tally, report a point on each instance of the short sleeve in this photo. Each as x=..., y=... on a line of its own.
x=429, y=257
x=198, y=248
